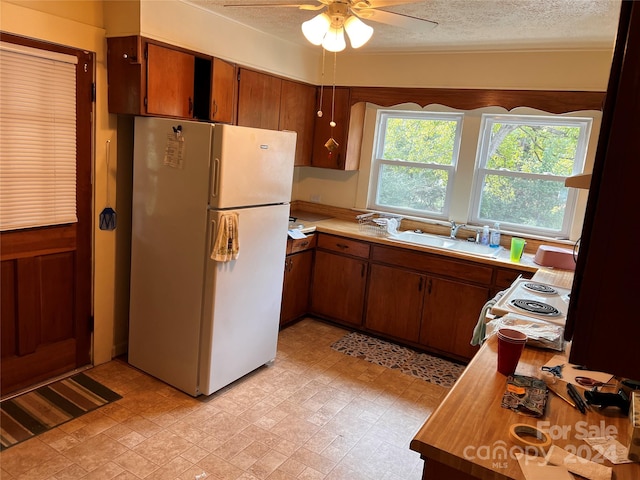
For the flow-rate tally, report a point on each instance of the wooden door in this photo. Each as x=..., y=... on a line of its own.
x=223, y=91
x=298, y=113
x=296, y=289
x=394, y=302
x=170, y=82
x=451, y=312
x=46, y=272
x=338, y=287
x=259, y=100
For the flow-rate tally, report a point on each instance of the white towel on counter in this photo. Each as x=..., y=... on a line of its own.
x=226, y=246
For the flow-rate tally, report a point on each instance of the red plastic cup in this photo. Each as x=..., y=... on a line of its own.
x=510, y=345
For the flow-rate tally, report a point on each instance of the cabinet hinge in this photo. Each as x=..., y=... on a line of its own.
x=238, y=75
x=93, y=92
x=91, y=323
x=145, y=102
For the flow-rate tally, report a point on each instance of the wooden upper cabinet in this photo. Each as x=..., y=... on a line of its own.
x=170, y=82
x=347, y=133
x=258, y=99
x=298, y=113
x=223, y=91
x=146, y=77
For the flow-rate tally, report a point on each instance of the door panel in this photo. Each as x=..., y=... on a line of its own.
x=46, y=272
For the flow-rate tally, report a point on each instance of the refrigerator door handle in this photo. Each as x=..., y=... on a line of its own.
x=215, y=173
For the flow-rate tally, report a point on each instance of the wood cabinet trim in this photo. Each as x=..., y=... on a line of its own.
x=553, y=101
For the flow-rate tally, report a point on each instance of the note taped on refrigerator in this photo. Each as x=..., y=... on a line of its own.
x=174, y=150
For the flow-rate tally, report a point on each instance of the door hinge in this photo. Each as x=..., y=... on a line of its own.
x=91, y=323
x=93, y=92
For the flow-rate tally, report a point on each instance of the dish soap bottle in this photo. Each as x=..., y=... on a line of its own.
x=484, y=239
x=495, y=236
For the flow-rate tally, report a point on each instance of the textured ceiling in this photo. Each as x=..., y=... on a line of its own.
x=463, y=25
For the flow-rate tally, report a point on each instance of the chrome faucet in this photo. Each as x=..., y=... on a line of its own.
x=454, y=229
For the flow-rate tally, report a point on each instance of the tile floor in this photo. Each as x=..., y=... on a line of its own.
x=314, y=414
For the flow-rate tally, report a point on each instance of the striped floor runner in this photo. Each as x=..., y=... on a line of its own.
x=39, y=410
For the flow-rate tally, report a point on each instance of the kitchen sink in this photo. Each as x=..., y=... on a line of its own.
x=423, y=239
x=446, y=243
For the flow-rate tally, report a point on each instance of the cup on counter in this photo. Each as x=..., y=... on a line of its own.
x=517, y=248
x=510, y=345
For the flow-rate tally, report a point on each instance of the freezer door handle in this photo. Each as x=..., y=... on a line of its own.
x=215, y=187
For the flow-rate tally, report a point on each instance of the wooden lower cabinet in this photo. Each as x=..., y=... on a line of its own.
x=339, y=283
x=394, y=302
x=451, y=311
x=296, y=288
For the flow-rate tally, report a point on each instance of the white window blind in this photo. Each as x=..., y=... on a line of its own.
x=37, y=137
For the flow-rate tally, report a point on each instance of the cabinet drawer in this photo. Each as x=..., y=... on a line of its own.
x=344, y=245
x=505, y=277
x=295, y=245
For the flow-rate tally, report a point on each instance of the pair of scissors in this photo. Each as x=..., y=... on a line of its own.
x=555, y=371
x=590, y=382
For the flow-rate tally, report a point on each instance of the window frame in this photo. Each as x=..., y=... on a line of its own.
x=382, y=116
x=481, y=171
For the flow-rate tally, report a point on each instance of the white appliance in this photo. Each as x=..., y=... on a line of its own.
x=534, y=299
x=196, y=323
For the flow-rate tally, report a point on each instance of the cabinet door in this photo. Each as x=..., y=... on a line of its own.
x=338, y=287
x=170, y=82
x=323, y=131
x=258, y=100
x=451, y=312
x=223, y=91
x=298, y=113
x=297, y=280
x=394, y=302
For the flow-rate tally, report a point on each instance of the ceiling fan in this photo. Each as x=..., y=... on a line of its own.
x=328, y=27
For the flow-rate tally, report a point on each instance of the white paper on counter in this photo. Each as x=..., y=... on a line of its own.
x=569, y=373
x=296, y=234
x=610, y=448
x=536, y=468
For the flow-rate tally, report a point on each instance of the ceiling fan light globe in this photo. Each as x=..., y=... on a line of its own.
x=315, y=29
x=359, y=32
x=334, y=40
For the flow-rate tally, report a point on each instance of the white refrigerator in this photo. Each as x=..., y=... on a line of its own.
x=196, y=323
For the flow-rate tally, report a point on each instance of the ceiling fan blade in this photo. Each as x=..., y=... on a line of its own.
x=380, y=3
x=396, y=19
x=301, y=6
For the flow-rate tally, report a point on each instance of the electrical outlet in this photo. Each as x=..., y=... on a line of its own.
x=315, y=198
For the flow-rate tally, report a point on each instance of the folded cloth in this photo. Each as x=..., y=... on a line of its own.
x=226, y=246
x=480, y=330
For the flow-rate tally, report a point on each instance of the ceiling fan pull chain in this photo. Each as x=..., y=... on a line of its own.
x=321, y=85
x=333, y=93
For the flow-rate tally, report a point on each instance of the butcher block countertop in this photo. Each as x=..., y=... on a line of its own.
x=462, y=438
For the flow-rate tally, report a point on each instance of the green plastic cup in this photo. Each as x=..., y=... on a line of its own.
x=517, y=247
